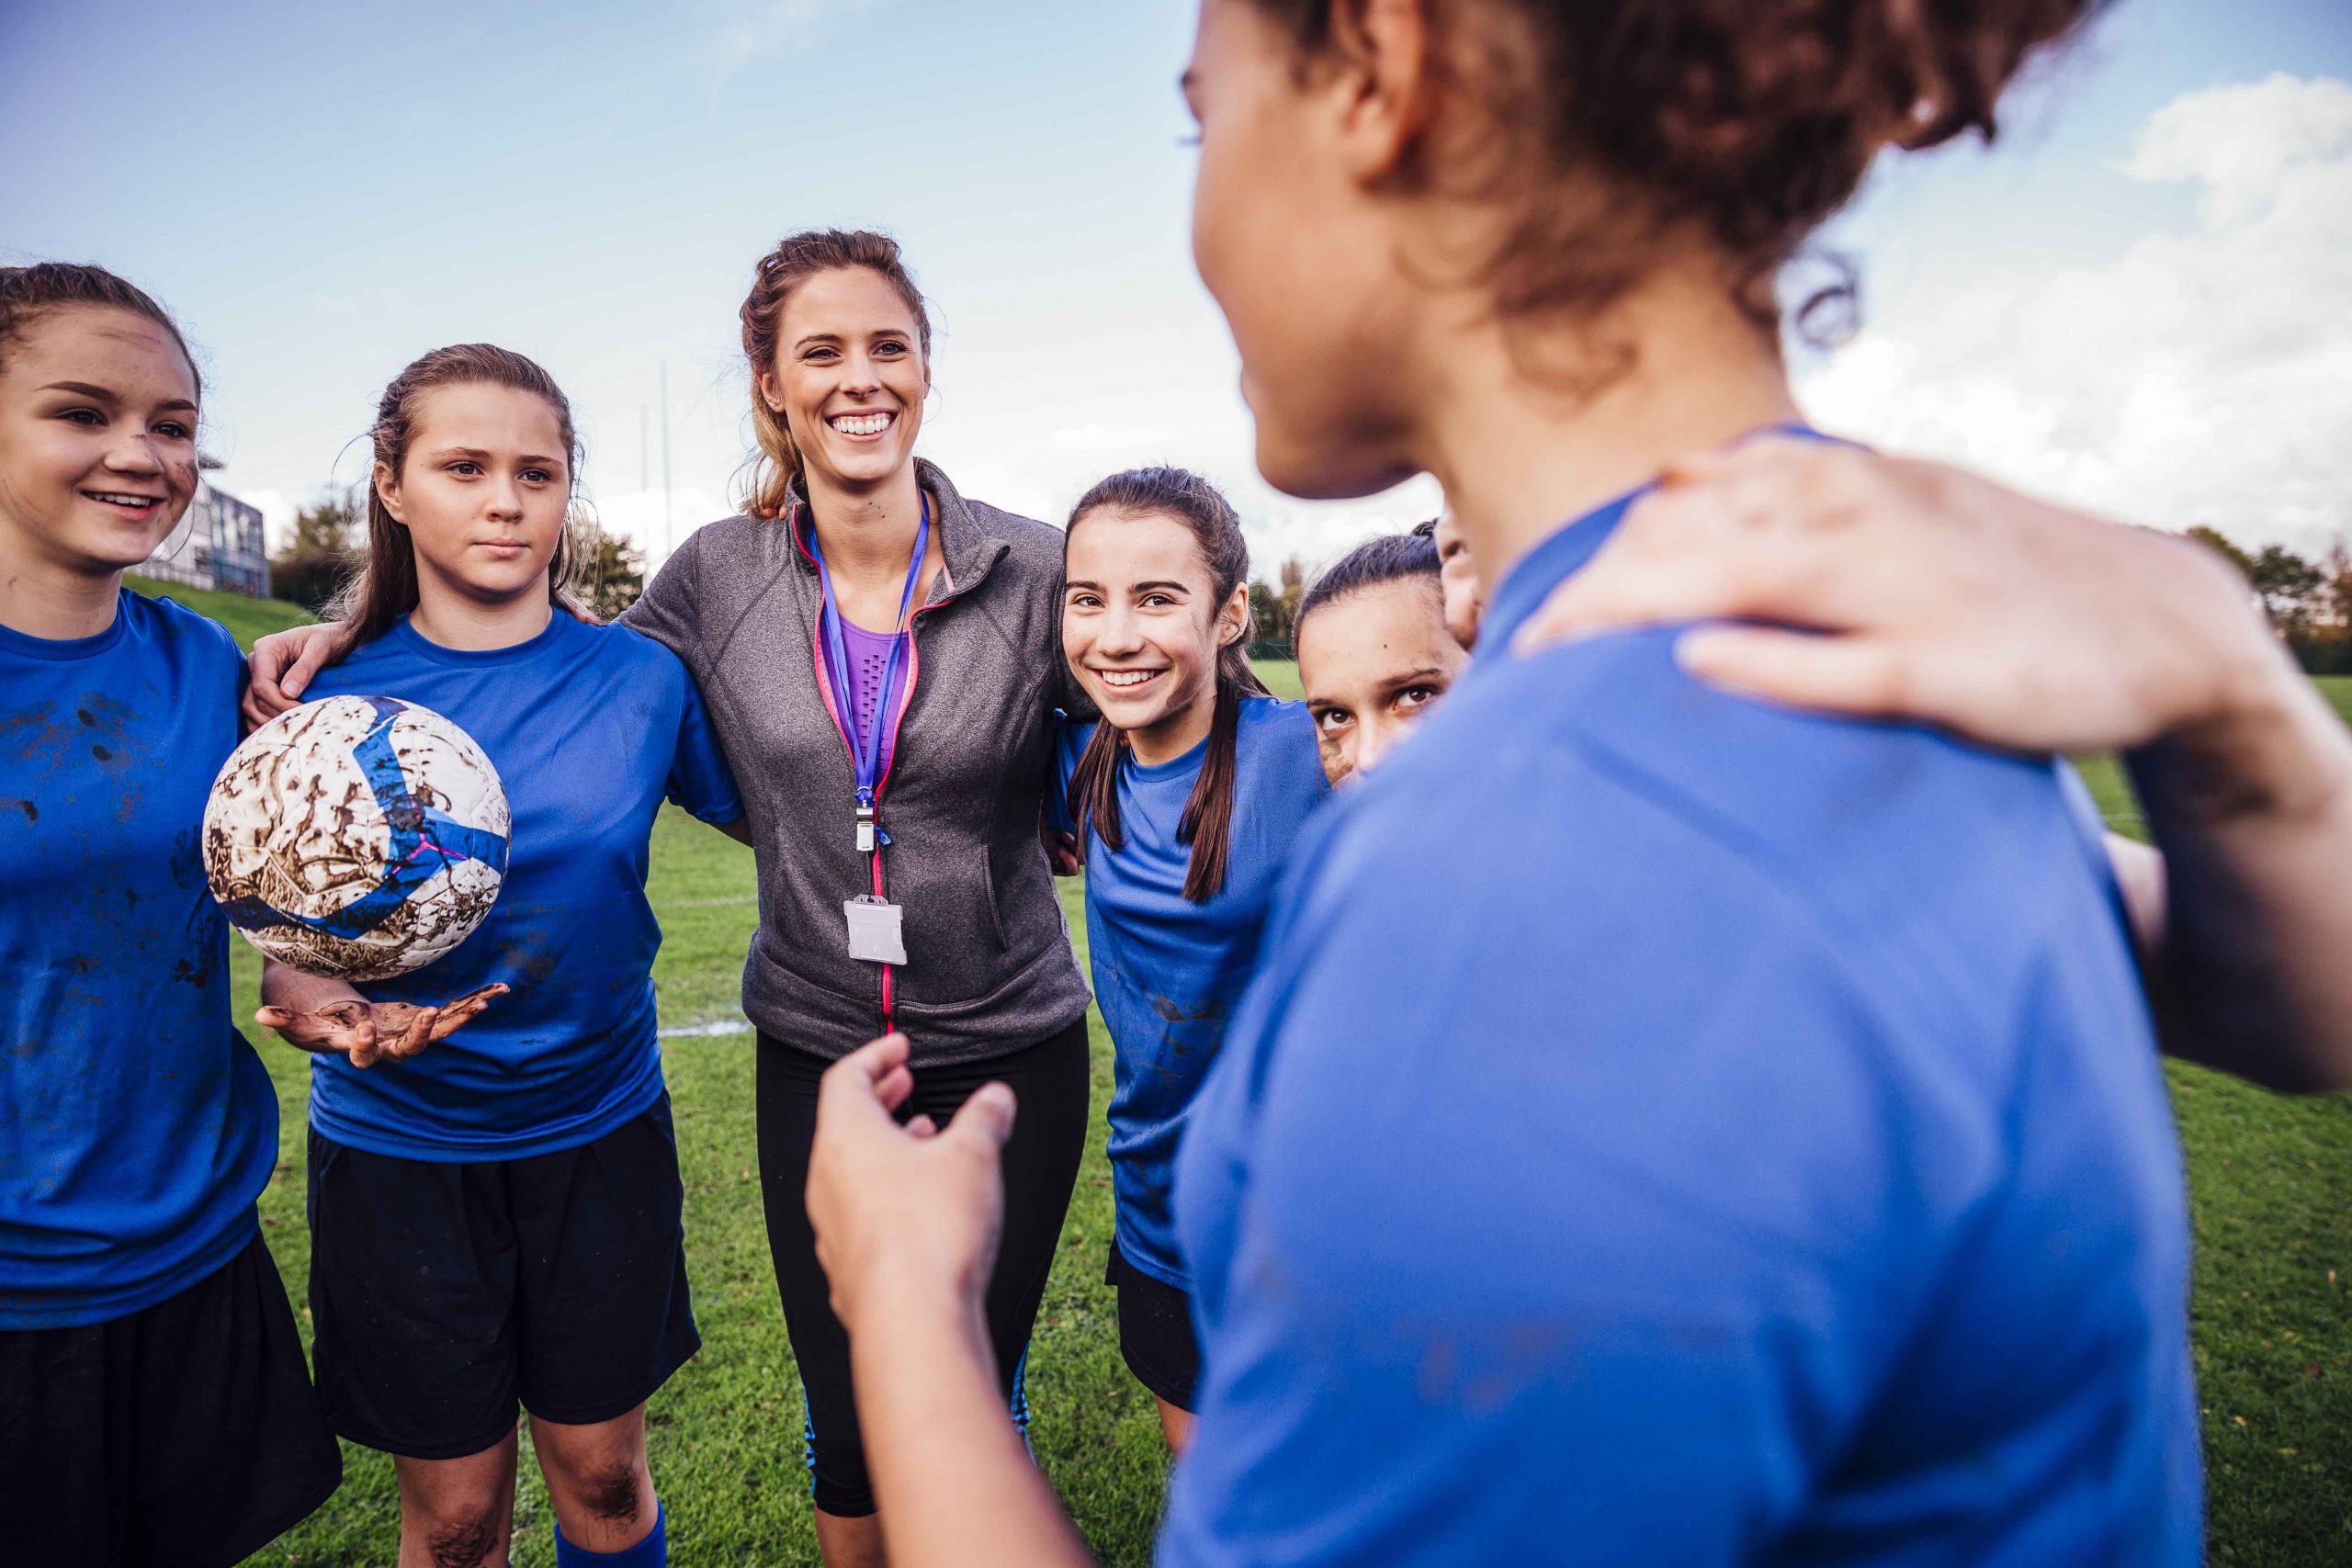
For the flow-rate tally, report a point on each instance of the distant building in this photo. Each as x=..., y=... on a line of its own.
x=218, y=545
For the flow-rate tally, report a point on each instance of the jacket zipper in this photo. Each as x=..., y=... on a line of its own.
x=890, y=754
x=906, y=701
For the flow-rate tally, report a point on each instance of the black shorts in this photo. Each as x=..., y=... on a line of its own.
x=1039, y=1166
x=445, y=1294
x=1156, y=1335
x=182, y=1436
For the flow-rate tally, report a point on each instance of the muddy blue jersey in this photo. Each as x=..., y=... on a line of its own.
x=1168, y=973
x=136, y=1125
x=590, y=729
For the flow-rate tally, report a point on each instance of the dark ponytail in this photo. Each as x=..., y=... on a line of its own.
x=1207, y=822
x=1385, y=557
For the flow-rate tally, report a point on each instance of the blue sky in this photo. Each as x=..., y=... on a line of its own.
x=323, y=192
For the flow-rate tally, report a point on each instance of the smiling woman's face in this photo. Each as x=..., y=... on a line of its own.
x=849, y=376
x=97, y=439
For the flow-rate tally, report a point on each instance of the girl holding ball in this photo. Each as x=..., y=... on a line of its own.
x=496, y=1215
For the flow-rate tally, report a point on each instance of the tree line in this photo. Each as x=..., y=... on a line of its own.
x=2308, y=603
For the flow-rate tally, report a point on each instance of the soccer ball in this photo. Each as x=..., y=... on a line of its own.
x=356, y=837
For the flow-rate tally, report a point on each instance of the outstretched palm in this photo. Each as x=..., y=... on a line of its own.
x=365, y=1031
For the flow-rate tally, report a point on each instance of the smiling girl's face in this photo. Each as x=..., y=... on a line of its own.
x=97, y=439
x=1142, y=624
x=483, y=490
x=849, y=376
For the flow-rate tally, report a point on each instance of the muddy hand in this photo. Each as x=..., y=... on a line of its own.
x=344, y=1029
x=367, y=1032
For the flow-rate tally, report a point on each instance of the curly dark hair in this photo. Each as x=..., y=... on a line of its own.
x=1750, y=121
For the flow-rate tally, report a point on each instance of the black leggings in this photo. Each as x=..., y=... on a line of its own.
x=1051, y=1079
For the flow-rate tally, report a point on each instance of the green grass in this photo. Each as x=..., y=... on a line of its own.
x=247, y=619
x=2270, y=1182
x=1281, y=676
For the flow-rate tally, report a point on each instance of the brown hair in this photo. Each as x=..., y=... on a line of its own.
x=1385, y=557
x=1207, y=822
x=795, y=259
x=384, y=589
x=1749, y=121
x=29, y=291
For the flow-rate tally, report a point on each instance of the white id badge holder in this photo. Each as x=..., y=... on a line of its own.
x=876, y=934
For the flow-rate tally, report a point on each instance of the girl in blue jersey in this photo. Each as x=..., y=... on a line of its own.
x=1762, y=1155
x=495, y=1217
x=1184, y=799
x=154, y=1407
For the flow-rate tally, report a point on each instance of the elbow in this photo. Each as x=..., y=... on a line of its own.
x=2312, y=1074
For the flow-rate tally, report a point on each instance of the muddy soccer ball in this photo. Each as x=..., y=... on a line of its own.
x=358, y=837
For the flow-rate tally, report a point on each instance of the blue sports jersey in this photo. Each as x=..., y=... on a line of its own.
x=1168, y=973
x=589, y=728
x=139, y=1124
x=1671, y=1129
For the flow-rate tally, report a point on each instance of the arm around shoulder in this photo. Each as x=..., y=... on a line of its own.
x=2253, y=811
x=666, y=610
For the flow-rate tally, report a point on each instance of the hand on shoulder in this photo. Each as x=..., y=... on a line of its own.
x=1928, y=594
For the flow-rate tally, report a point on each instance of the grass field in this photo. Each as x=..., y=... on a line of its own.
x=2270, y=1179
x=246, y=618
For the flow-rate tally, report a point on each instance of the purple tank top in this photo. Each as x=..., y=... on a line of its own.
x=869, y=656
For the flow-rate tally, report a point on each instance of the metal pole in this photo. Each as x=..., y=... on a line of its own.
x=668, y=542
x=644, y=448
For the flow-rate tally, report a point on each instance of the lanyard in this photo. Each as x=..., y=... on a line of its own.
x=865, y=759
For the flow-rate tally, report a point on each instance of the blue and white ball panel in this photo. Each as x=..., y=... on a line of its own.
x=357, y=837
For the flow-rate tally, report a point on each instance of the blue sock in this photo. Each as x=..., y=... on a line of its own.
x=653, y=1551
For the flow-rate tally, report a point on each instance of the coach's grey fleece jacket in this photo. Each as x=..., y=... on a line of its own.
x=989, y=967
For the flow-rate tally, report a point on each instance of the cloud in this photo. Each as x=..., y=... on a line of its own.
x=2196, y=377
x=758, y=30
x=1316, y=533
x=1103, y=437
x=2237, y=140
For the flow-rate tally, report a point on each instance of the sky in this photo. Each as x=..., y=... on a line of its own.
x=2138, y=301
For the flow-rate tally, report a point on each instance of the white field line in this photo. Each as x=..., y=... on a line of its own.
x=715, y=1030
